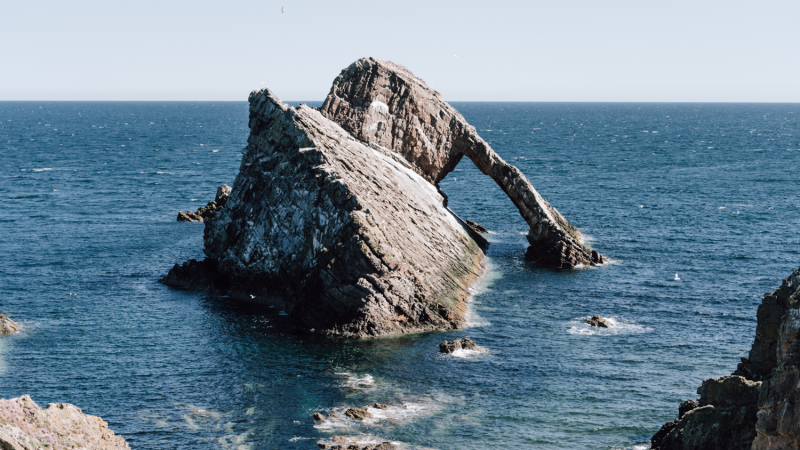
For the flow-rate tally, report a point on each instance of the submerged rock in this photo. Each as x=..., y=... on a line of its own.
x=753, y=408
x=599, y=322
x=26, y=426
x=208, y=211
x=345, y=236
x=458, y=344
x=7, y=326
x=384, y=103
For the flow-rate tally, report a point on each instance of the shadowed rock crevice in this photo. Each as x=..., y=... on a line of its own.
x=384, y=103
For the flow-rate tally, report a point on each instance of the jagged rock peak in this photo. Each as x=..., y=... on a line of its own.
x=384, y=103
x=344, y=235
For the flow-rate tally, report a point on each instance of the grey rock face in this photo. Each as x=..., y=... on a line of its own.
x=384, y=103
x=60, y=426
x=7, y=326
x=778, y=411
x=347, y=237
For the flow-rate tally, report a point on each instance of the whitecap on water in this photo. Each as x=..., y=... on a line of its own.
x=617, y=326
x=355, y=382
x=467, y=354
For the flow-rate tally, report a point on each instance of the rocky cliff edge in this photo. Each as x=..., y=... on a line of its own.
x=755, y=407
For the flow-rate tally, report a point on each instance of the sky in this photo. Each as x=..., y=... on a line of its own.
x=565, y=50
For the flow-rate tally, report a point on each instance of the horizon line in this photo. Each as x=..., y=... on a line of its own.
x=449, y=101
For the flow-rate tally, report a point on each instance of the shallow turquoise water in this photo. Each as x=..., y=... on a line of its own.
x=90, y=192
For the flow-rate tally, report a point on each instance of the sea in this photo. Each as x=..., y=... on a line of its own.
x=696, y=207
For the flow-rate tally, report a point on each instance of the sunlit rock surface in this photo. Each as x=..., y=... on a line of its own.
x=26, y=426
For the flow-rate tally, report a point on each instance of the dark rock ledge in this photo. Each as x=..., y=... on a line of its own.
x=755, y=407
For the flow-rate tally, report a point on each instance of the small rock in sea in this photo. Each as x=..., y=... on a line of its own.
x=380, y=406
x=599, y=322
x=476, y=227
x=7, y=326
x=458, y=344
x=339, y=439
x=318, y=417
x=358, y=414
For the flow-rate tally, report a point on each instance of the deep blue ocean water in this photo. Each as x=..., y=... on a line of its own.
x=706, y=193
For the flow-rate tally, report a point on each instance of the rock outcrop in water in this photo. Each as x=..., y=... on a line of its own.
x=7, y=326
x=346, y=236
x=458, y=344
x=598, y=322
x=60, y=426
x=755, y=407
x=208, y=211
x=384, y=103
x=336, y=216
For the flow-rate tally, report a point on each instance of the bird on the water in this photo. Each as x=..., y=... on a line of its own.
x=281, y=9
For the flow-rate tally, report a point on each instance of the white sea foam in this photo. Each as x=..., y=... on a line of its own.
x=468, y=354
x=617, y=326
x=352, y=381
x=42, y=169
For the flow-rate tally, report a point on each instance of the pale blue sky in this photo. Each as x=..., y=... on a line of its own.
x=613, y=50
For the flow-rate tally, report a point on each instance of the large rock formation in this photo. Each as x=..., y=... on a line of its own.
x=753, y=408
x=345, y=235
x=26, y=426
x=384, y=103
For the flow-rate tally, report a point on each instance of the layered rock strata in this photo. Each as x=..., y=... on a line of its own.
x=384, y=103
x=755, y=407
x=208, y=211
x=26, y=426
x=345, y=235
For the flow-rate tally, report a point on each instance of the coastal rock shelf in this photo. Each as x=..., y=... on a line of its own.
x=345, y=236
x=384, y=103
x=755, y=407
x=26, y=426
